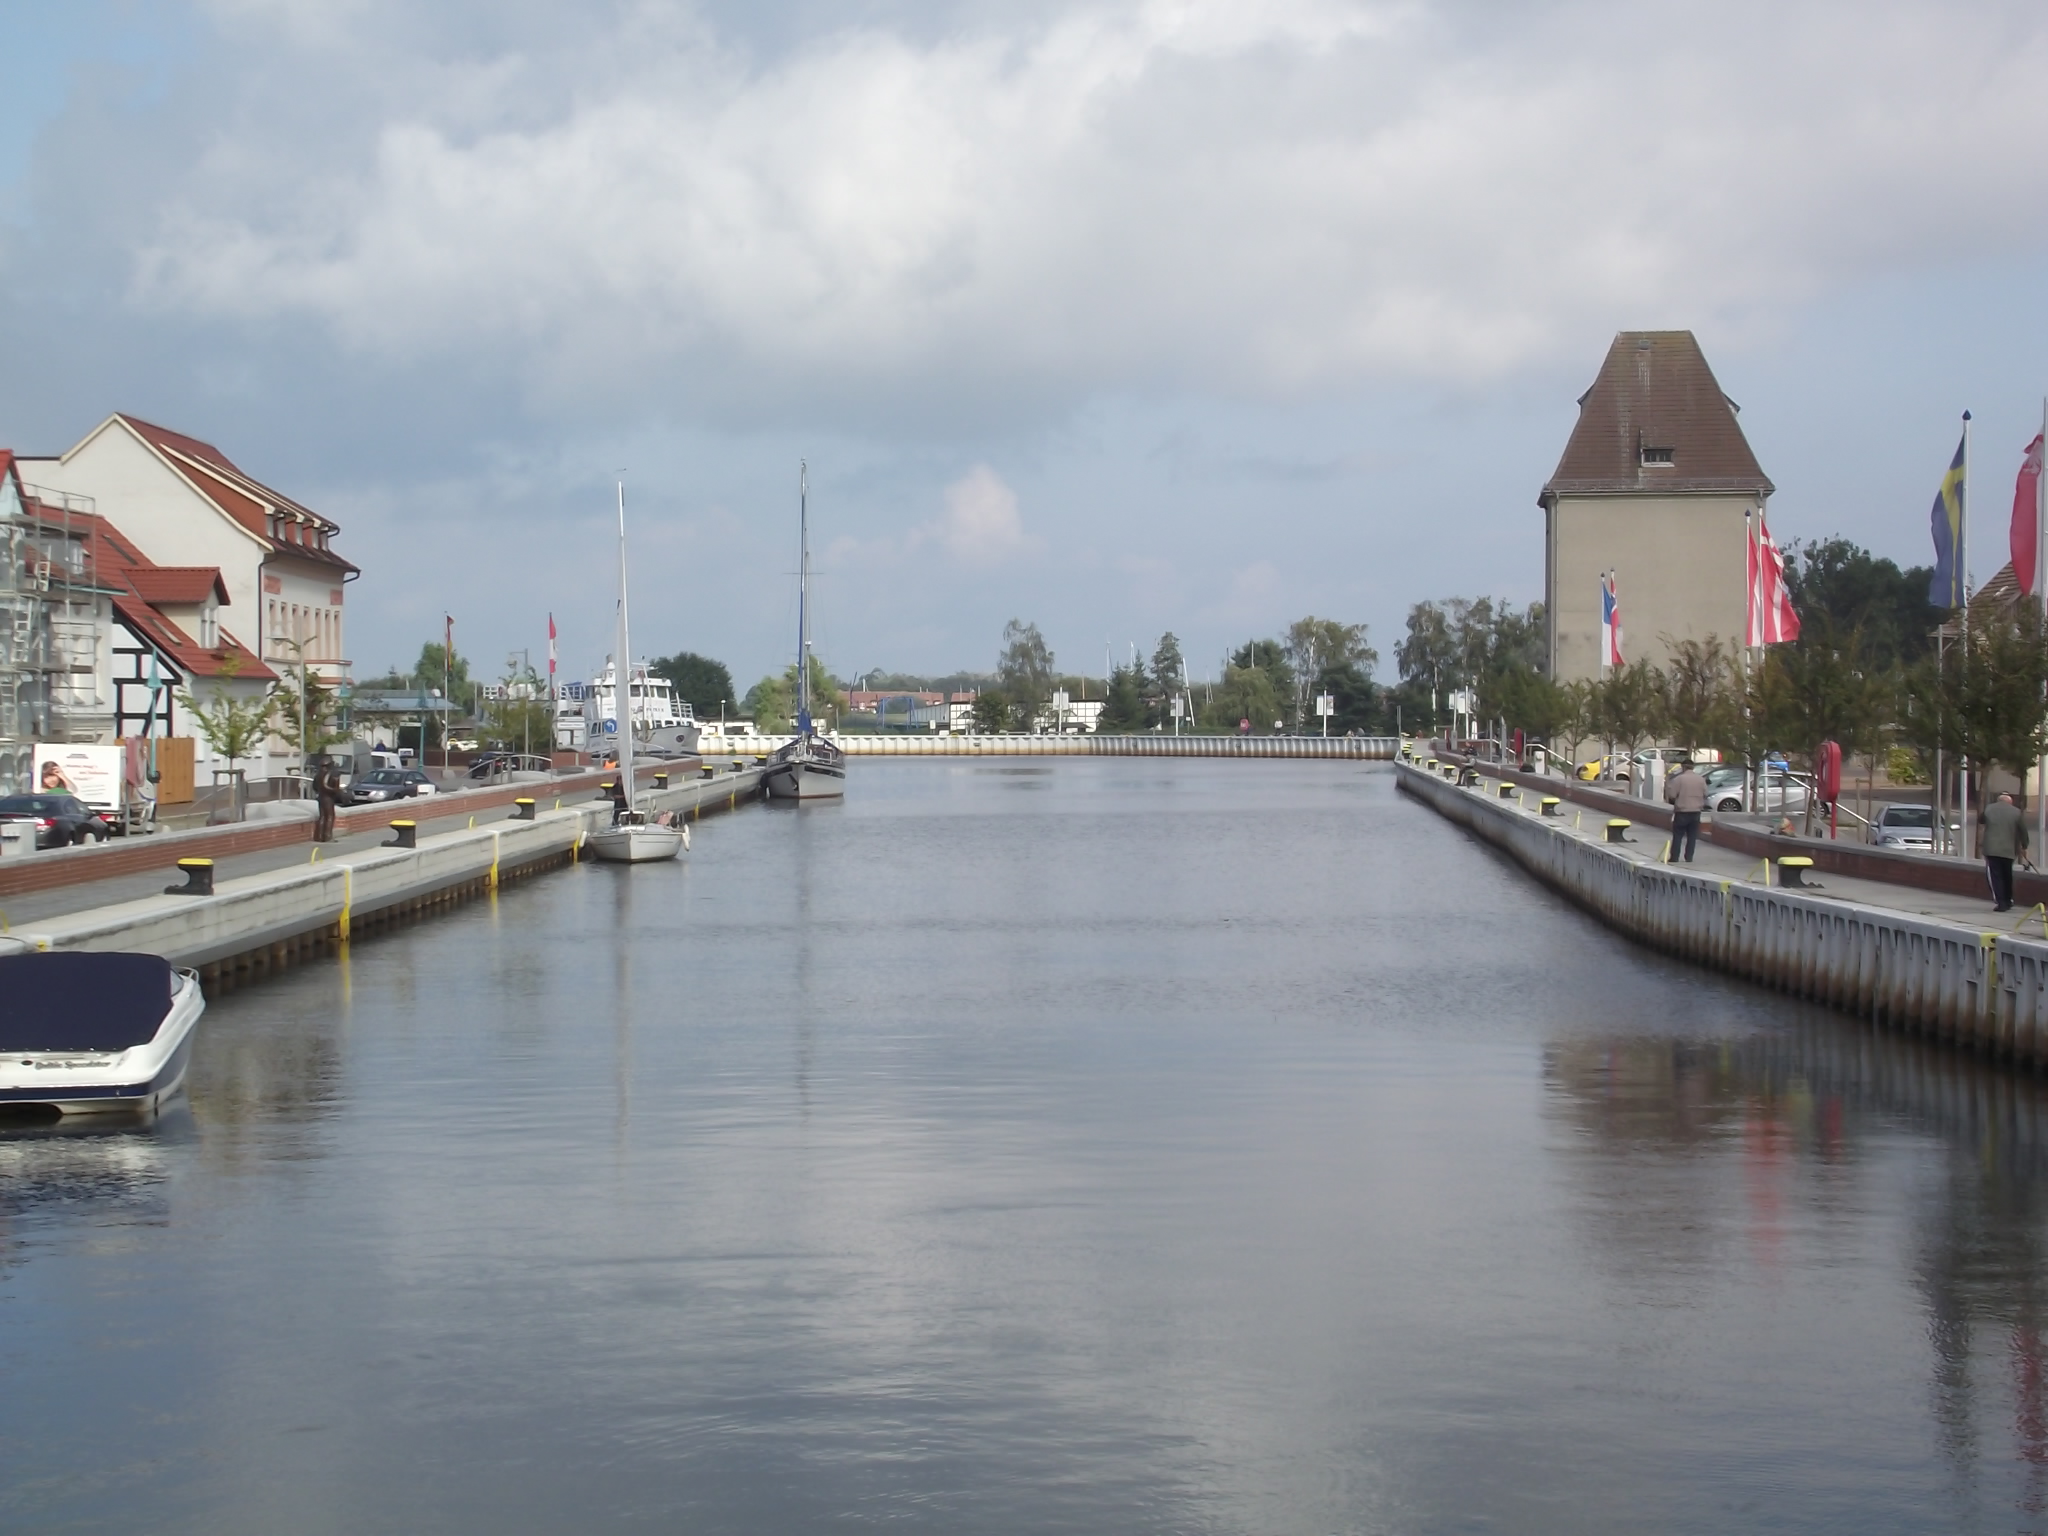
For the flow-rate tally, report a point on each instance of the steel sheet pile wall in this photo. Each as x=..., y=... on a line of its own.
x=1983, y=989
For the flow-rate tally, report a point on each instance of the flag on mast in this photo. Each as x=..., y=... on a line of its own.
x=1772, y=619
x=1946, y=589
x=551, y=650
x=1610, y=623
x=2026, y=514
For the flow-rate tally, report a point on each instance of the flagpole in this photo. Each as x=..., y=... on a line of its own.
x=2041, y=593
x=1963, y=570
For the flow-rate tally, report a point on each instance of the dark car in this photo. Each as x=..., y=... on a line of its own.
x=61, y=820
x=390, y=784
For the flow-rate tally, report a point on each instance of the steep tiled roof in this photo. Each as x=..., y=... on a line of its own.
x=132, y=577
x=160, y=584
x=245, y=499
x=1655, y=392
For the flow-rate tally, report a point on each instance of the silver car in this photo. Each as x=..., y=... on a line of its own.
x=1903, y=826
x=1776, y=791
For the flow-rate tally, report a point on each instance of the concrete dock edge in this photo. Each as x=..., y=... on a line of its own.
x=1982, y=989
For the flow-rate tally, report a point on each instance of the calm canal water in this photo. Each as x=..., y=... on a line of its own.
x=1092, y=1146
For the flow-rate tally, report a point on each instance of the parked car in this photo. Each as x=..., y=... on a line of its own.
x=61, y=820
x=1903, y=826
x=390, y=784
x=1776, y=791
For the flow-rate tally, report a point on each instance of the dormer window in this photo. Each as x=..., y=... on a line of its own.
x=1658, y=458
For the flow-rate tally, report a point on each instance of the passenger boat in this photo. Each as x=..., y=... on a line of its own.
x=89, y=1032
x=811, y=767
x=631, y=838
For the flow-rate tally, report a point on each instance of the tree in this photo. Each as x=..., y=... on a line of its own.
x=1125, y=710
x=1353, y=696
x=704, y=684
x=1859, y=593
x=991, y=711
x=1696, y=685
x=771, y=703
x=1246, y=693
x=429, y=671
x=231, y=728
x=519, y=725
x=1024, y=670
x=318, y=707
x=1168, y=668
x=1983, y=701
x=1328, y=656
x=1575, y=720
x=1629, y=706
x=1267, y=658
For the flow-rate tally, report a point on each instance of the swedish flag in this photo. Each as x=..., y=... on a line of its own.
x=1946, y=590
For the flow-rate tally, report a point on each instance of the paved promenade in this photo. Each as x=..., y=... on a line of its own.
x=1589, y=824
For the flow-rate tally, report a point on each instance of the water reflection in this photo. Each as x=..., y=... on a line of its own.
x=1800, y=1111
x=1104, y=1146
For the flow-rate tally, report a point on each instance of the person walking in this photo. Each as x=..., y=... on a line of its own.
x=1686, y=790
x=2005, y=839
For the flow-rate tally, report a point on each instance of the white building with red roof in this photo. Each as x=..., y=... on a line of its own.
x=100, y=641
x=189, y=506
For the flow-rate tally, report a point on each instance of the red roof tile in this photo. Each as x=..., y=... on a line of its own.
x=138, y=584
x=245, y=499
x=158, y=584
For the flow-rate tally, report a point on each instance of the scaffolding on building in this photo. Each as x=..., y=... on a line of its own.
x=49, y=627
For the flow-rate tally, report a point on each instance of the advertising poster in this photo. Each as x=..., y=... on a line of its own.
x=93, y=773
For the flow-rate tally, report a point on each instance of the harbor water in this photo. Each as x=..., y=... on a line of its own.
x=1081, y=1145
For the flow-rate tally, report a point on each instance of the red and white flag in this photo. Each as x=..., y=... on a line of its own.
x=1610, y=622
x=1772, y=620
x=2026, y=511
x=551, y=648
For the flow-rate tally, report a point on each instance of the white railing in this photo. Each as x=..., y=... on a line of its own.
x=934, y=744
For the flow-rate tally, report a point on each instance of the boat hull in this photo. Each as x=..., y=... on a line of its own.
x=636, y=845
x=805, y=780
x=138, y=1080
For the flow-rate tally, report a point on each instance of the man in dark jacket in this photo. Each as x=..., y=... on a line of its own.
x=2005, y=839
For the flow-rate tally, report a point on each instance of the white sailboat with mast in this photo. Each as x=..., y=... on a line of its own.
x=631, y=838
x=810, y=767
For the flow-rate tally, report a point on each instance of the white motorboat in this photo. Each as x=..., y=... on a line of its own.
x=812, y=767
x=90, y=1032
x=632, y=838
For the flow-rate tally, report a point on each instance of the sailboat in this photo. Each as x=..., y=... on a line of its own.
x=631, y=838
x=810, y=767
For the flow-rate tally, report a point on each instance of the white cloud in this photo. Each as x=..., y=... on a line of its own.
x=1253, y=199
x=980, y=525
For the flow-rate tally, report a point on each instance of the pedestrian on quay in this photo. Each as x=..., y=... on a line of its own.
x=2004, y=839
x=1686, y=790
x=326, y=789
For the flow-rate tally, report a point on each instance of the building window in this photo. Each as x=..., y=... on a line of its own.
x=1654, y=458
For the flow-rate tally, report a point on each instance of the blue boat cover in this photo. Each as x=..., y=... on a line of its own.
x=82, y=1001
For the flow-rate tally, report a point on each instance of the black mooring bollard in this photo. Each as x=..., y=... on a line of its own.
x=1552, y=806
x=661, y=779
x=1792, y=870
x=1617, y=831
x=604, y=790
x=198, y=875
x=1507, y=791
x=404, y=834
x=1468, y=778
x=522, y=809
x=707, y=772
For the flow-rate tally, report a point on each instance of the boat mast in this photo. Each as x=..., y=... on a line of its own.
x=803, y=612
x=622, y=670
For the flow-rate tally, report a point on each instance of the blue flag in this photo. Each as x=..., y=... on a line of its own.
x=1946, y=590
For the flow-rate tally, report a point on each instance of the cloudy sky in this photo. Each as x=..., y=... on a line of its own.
x=1117, y=317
